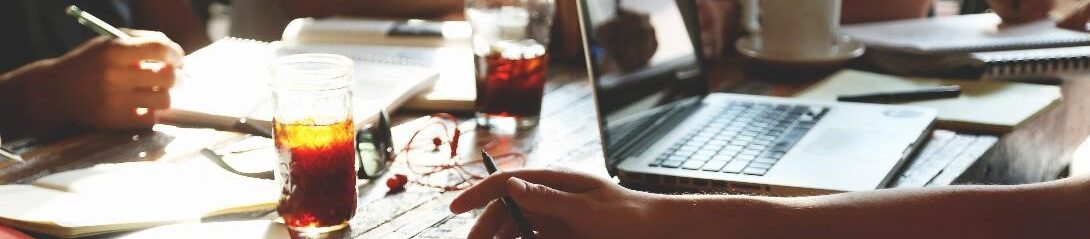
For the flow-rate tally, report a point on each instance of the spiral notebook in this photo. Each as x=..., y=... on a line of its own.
x=973, y=47
x=228, y=80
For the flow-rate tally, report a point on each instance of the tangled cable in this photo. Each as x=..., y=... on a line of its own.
x=448, y=172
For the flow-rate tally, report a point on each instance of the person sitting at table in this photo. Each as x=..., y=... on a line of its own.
x=58, y=74
x=566, y=204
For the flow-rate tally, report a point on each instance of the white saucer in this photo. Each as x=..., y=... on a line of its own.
x=845, y=50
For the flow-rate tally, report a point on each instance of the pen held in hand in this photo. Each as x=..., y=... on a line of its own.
x=941, y=92
x=512, y=207
x=101, y=27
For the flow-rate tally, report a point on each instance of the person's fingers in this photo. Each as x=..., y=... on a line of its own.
x=150, y=99
x=544, y=200
x=543, y=228
x=490, y=221
x=132, y=51
x=145, y=33
x=125, y=117
x=122, y=78
x=1077, y=20
x=494, y=186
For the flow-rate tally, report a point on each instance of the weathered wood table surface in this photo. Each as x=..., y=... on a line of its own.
x=567, y=136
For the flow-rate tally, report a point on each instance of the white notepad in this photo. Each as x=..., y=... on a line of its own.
x=989, y=107
x=962, y=33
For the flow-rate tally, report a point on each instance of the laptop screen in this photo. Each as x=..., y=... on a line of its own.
x=644, y=66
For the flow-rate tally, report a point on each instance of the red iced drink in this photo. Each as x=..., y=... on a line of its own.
x=511, y=79
x=318, y=169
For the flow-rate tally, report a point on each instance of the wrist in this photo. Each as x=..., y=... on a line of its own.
x=719, y=216
x=39, y=97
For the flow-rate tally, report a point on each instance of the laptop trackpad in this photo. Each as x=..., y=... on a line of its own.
x=853, y=144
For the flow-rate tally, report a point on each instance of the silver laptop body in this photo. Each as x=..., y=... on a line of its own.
x=661, y=130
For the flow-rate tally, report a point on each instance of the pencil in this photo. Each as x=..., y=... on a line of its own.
x=512, y=207
x=97, y=25
x=11, y=156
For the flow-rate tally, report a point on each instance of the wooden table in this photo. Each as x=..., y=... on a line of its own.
x=567, y=136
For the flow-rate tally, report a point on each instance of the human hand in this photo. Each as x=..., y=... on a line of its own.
x=1015, y=12
x=1077, y=20
x=716, y=19
x=110, y=83
x=560, y=204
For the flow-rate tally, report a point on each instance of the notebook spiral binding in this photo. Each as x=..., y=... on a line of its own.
x=1040, y=62
x=1010, y=44
x=377, y=58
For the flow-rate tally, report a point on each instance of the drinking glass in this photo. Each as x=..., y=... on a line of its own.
x=510, y=44
x=315, y=140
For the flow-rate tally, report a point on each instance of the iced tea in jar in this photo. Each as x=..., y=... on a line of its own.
x=315, y=138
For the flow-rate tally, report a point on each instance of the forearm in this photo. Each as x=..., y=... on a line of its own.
x=1047, y=210
x=25, y=107
x=375, y=8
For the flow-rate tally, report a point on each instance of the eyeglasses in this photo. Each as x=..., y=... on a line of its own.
x=374, y=149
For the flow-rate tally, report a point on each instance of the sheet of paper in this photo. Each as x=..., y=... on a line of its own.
x=132, y=195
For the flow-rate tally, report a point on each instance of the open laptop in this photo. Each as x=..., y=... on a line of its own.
x=661, y=129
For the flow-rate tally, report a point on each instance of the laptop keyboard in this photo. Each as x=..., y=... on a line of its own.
x=743, y=138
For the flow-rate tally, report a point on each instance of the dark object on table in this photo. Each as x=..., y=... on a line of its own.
x=942, y=92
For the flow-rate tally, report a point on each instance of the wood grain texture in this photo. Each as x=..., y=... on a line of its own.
x=567, y=137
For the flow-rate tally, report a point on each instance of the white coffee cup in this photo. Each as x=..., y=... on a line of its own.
x=804, y=29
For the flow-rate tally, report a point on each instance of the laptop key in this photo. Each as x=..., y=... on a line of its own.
x=766, y=160
x=733, y=148
x=756, y=164
x=751, y=152
x=672, y=163
x=755, y=171
x=685, y=153
x=745, y=157
x=757, y=147
x=677, y=158
x=706, y=152
x=735, y=166
x=692, y=164
x=714, y=165
x=722, y=157
x=701, y=157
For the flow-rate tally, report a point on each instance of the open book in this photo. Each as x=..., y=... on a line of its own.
x=127, y=196
x=444, y=45
x=230, y=80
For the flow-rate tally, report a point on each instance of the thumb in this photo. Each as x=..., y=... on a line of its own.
x=543, y=200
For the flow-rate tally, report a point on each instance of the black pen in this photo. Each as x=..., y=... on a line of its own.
x=512, y=207
x=941, y=92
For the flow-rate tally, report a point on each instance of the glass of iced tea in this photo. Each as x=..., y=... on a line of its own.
x=315, y=140
x=510, y=43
